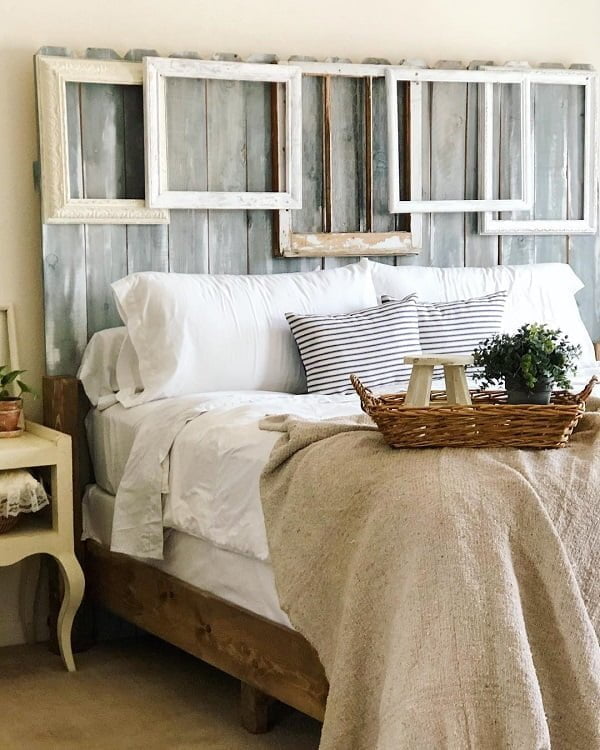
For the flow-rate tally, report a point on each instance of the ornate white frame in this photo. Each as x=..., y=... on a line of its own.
x=417, y=76
x=588, y=224
x=58, y=207
x=158, y=195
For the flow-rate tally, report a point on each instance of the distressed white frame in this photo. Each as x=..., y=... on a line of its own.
x=316, y=244
x=490, y=224
x=417, y=76
x=156, y=71
x=58, y=207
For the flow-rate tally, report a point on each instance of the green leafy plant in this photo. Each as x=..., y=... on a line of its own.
x=7, y=378
x=534, y=354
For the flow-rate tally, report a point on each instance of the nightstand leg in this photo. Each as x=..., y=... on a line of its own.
x=74, y=584
x=28, y=588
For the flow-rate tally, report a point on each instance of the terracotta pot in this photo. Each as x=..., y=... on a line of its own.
x=10, y=416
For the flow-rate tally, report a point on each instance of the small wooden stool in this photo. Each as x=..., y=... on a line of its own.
x=419, y=385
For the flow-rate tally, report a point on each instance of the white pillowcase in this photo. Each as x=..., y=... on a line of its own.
x=195, y=333
x=540, y=293
x=98, y=370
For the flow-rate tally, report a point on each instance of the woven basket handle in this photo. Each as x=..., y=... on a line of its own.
x=587, y=391
x=367, y=399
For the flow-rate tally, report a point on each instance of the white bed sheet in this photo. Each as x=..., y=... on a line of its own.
x=214, y=452
x=238, y=579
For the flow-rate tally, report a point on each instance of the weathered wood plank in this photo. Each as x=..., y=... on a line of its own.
x=514, y=249
x=259, y=146
x=348, y=205
x=479, y=250
x=64, y=297
x=63, y=247
x=382, y=220
x=188, y=168
x=448, y=131
x=309, y=218
x=550, y=128
x=227, y=170
x=103, y=150
x=424, y=256
x=147, y=248
x=583, y=251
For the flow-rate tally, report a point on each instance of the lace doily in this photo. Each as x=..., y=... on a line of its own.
x=20, y=493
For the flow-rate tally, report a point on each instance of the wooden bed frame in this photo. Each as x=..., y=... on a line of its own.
x=270, y=660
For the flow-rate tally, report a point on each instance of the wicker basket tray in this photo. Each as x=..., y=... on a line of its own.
x=489, y=421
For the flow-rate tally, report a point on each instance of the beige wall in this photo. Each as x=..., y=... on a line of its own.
x=534, y=30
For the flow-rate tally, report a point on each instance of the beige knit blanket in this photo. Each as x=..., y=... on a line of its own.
x=453, y=595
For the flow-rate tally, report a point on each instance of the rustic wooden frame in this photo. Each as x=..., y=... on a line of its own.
x=416, y=77
x=158, y=195
x=270, y=659
x=490, y=224
x=292, y=244
x=58, y=207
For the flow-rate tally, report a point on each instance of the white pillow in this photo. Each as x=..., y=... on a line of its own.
x=129, y=382
x=98, y=369
x=202, y=332
x=539, y=292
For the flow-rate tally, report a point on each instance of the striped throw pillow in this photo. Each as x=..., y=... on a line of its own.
x=457, y=327
x=371, y=343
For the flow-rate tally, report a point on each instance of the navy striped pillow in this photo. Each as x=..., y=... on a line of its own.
x=371, y=343
x=458, y=327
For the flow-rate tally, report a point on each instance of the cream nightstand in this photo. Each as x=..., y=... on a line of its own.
x=43, y=533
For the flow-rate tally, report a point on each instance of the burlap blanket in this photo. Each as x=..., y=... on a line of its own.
x=453, y=595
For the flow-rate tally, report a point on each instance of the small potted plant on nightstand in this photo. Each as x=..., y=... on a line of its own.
x=11, y=405
x=528, y=362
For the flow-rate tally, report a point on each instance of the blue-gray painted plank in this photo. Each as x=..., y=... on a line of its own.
x=448, y=137
x=188, y=170
x=103, y=154
x=227, y=170
x=479, y=250
x=550, y=127
x=583, y=250
x=514, y=249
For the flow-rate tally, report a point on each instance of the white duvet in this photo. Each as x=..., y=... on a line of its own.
x=195, y=465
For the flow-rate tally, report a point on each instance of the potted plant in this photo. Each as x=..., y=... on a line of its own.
x=528, y=362
x=11, y=405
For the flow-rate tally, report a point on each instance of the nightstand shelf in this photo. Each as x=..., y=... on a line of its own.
x=47, y=533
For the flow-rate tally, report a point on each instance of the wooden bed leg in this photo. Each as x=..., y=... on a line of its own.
x=255, y=709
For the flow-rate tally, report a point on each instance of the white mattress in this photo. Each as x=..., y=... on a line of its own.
x=238, y=579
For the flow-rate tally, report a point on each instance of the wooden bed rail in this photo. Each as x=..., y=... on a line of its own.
x=65, y=407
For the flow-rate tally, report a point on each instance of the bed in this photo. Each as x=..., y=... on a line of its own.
x=223, y=608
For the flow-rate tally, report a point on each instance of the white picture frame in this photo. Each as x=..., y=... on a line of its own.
x=490, y=224
x=158, y=194
x=416, y=77
x=58, y=207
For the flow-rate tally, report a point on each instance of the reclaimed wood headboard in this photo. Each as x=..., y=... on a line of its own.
x=81, y=261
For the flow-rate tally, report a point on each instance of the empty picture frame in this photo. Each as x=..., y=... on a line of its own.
x=157, y=70
x=490, y=224
x=58, y=205
x=416, y=77
x=326, y=241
